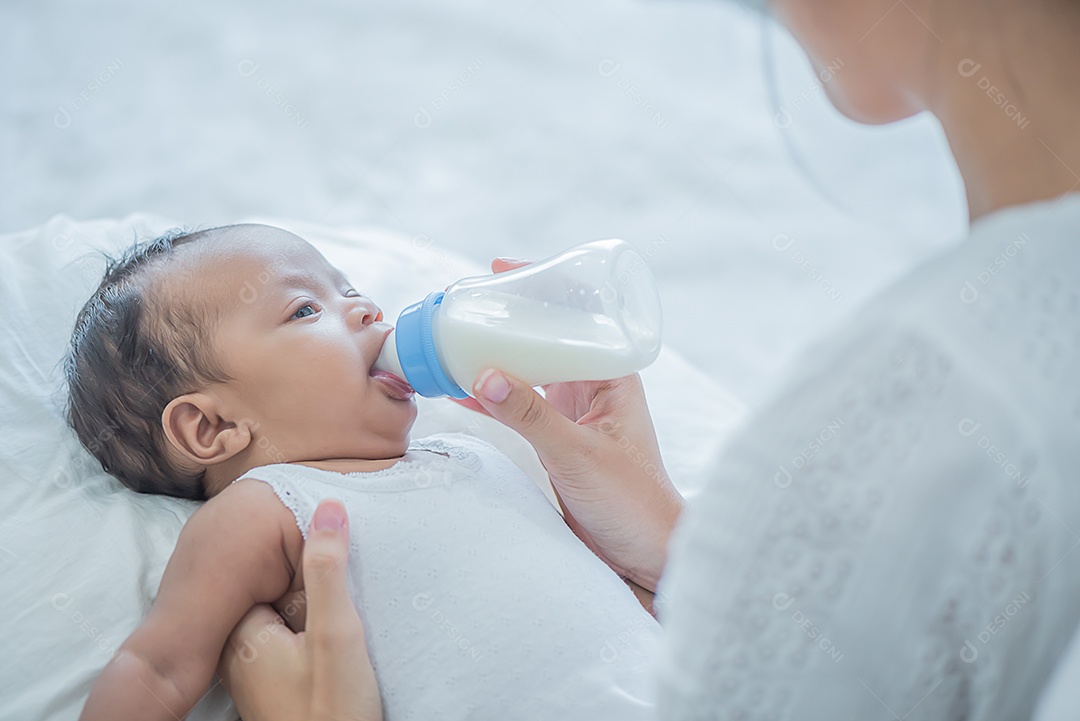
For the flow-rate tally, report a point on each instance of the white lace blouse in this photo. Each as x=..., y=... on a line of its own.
x=893, y=535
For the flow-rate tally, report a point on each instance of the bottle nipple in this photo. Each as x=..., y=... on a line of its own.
x=388, y=357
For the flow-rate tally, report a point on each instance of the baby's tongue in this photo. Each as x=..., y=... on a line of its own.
x=395, y=384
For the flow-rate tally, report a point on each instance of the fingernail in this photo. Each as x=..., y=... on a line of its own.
x=505, y=259
x=328, y=517
x=493, y=386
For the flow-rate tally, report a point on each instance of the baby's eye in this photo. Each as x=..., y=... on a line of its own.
x=352, y=293
x=300, y=311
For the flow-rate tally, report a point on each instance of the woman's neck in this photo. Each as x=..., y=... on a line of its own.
x=1009, y=103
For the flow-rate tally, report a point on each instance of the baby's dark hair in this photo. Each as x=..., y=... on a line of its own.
x=132, y=351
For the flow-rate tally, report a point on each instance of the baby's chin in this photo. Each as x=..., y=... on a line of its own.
x=397, y=427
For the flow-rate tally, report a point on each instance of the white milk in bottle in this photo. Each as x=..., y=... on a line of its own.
x=589, y=313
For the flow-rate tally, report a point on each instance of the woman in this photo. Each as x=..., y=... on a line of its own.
x=890, y=535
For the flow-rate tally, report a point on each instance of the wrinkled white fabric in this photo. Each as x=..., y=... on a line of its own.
x=478, y=600
x=893, y=534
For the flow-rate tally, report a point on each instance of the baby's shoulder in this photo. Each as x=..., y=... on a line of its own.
x=252, y=510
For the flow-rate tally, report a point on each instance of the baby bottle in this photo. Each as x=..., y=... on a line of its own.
x=589, y=313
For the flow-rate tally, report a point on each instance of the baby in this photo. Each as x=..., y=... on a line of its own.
x=235, y=365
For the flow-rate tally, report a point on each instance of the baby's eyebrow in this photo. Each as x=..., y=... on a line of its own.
x=308, y=280
x=296, y=279
x=341, y=278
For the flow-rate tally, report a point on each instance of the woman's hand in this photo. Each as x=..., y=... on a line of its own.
x=321, y=674
x=597, y=442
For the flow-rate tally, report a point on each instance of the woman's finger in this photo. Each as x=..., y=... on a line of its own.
x=515, y=404
x=332, y=623
x=501, y=265
x=261, y=625
x=261, y=658
x=343, y=684
x=249, y=639
x=471, y=404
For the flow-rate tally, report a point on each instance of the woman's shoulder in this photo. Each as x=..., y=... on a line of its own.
x=1015, y=266
x=997, y=313
x=897, y=515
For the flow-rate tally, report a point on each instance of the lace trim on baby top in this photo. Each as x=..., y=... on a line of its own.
x=289, y=481
x=435, y=467
x=457, y=451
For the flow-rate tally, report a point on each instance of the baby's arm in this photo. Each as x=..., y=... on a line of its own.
x=234, y=552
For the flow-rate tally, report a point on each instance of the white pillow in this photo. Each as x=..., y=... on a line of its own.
x=81, y=557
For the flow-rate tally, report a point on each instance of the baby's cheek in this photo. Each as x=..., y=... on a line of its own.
x=327, y=362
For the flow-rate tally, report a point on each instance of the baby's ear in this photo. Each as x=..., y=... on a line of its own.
x=196, y=429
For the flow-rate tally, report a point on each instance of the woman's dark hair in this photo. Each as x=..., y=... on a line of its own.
x=132, y=351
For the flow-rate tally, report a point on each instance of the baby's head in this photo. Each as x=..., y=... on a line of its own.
x=202, y=355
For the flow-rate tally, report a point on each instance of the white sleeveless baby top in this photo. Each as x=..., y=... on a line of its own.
x=477, y=599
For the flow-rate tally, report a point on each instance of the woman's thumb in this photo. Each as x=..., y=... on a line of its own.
x=325, y=565
x=517, y=405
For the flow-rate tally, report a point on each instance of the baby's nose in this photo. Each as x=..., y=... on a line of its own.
x=364, y=313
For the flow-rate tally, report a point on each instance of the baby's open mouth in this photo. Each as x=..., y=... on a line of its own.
x=397, y=387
